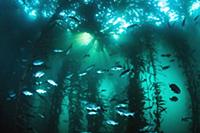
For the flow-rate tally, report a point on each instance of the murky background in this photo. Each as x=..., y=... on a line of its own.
x=99, y=66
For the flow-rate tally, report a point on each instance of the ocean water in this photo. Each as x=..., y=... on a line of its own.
x=99, y=66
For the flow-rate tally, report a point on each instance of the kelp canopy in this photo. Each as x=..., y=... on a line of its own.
x=100, y=66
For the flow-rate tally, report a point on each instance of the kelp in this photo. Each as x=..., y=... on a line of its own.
x=179, y=41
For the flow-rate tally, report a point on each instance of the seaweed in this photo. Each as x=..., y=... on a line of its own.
x=184, y=53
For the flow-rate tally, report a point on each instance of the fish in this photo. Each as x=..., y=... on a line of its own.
x=39, y=74
x=172, y=60
x=11, y=95
x=195, y=19
x=41, y=115
x=92, y=113
x=117, y=68
x=41, y=91
x=69, y=76
x=38, y=62
x=124, y=72
x=89, y=68
x=132, y=26
x=69, y=49
x=92, y=107
x=86, y=56
x=27, y=93
x=123, y=112
x=50, y=81
x=183, y=22
x=112, y=122
x=186, y=119
x=165, y=67
x=174, y=98
x=38, y=82
x=146, y=129
x=175, y=88
x=166, y=55
x=100, y=71
x=74, y=18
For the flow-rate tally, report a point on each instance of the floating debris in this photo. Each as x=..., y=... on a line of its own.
x=38, y=62
x=39, y=74
x=111, y=122
x=174, y=99
x=52, y=82
x=175, y=88
x=27, y=93
x=41, y=91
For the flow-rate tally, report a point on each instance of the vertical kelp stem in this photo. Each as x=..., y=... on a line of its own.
x=34, y=54
x=57, y=98
x=94, y=122
x=179, y=42
x=136, y=97
x=156, y=89
x=159, y=102
x=193, y=84
x=75, y=111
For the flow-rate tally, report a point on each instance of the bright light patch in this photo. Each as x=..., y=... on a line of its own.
x=85, y=38
x=87, y=1
x=163, y=6
x=172, y=16
x=195, y=5
x=116, y=37
x=33, y=13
